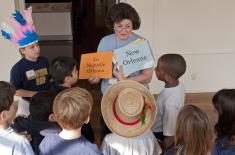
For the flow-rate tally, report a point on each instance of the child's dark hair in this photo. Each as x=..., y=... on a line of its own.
x=122, y=11
x=174, y=64
x=7, y=92
x=61, y=67
x=224, y=103
x=41, y=105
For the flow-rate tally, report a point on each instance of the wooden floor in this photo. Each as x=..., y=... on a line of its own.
x=202, y=100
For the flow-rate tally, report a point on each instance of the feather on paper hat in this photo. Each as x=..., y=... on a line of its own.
x=20, y=29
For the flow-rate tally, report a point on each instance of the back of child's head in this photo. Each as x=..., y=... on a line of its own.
x=41, y=105
x=174, y=64
x=7, y=92
x=61, y=67
x=72, y=107
x=193, y=131
x=224, y=103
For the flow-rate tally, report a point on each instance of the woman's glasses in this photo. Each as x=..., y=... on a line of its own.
x=120, y=28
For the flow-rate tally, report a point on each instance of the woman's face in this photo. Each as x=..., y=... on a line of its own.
x=123, y=29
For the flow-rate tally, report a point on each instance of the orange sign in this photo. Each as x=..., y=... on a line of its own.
x=96, y=65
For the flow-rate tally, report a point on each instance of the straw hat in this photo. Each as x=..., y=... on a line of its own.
x=128, y=108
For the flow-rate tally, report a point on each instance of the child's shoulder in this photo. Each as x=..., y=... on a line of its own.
x=13, y=137
x=176, y=90
x=19, y=63
x=108, y=37
x=81, y=143
x=16, y=143
x=222, y=147
x=89, y=147
x=172, y=96
x=41, y=58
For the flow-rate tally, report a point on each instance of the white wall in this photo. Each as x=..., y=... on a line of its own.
x=9, y=53
x=203, y=31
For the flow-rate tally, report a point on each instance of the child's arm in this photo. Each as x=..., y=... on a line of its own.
x=171, y=112
x=25, y=93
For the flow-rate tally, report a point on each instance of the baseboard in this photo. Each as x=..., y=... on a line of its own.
x=196, y=97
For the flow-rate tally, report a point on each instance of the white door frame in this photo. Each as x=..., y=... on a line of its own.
x=20, y=5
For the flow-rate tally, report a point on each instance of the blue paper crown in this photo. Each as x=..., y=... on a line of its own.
x=20, y=29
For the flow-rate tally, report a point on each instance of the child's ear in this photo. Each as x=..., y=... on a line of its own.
x=67, y=79
x=87, y=120
x=168, y=77
x=3, y=115
x=21, y=50
x=51, y=118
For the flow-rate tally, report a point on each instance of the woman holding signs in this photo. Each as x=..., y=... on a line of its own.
x=122, y=18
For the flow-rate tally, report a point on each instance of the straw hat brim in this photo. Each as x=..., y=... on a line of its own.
x=107, y=109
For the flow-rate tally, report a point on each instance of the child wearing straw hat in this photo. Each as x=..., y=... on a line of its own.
x=129, y=111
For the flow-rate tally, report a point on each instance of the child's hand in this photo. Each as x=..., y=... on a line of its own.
x=26, y=135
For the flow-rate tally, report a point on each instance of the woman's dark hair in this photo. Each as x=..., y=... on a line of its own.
x=224, y=103
x=122, y=11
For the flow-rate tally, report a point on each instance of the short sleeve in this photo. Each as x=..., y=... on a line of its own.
x=100, y=46
x=42, y=148
x=105, y=44
x=27, y=148
x=169, y=118
x=106, y=149
x=15, y=78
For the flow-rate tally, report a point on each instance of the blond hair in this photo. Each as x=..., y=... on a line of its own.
x=72, y=107
x=193, y=131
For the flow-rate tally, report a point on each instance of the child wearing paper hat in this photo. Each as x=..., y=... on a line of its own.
x=30, y=73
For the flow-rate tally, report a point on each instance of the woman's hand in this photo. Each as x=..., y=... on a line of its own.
x=94, y=80
x=118, y=72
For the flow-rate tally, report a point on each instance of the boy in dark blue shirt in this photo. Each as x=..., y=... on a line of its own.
x=63, y=71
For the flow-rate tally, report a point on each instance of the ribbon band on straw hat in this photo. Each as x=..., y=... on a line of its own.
x=142, y=118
